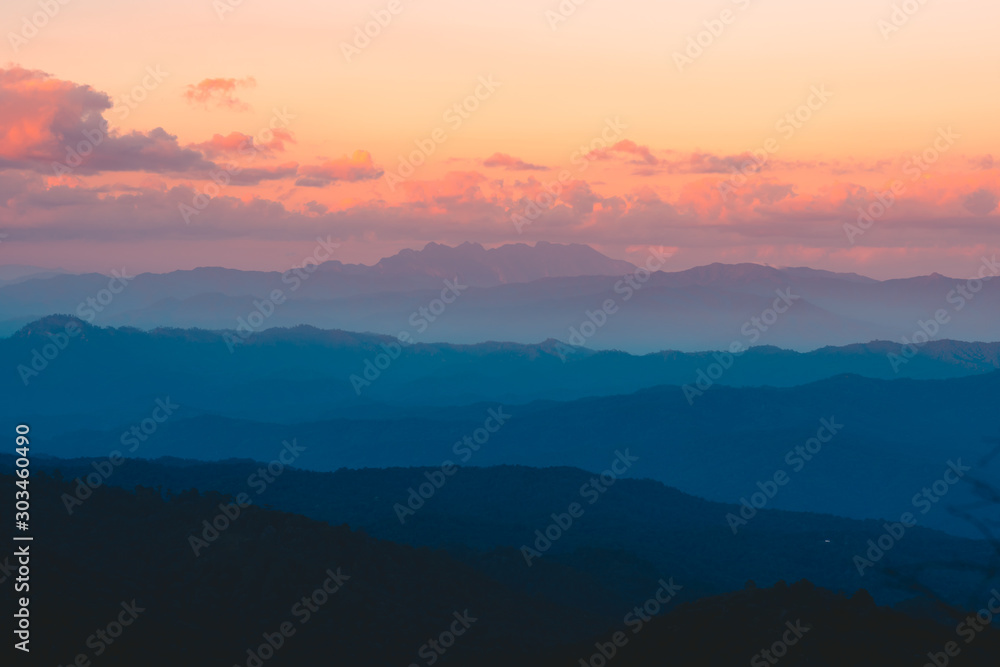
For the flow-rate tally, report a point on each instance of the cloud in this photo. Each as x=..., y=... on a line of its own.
x=696, y=162
x=453, y=192
x=511, y=163
x=254, y=175
x=316, y=208
x=39, y=113
x=43, y=120
x=237, y=143
x=358, y=167
x=983, y=162
x=219, y=93
x=765, y=221
x=707, y=163
x=58, y=127
x=981, y=202
x=642, y=153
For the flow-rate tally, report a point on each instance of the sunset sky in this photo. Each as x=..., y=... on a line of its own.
x=639, y=144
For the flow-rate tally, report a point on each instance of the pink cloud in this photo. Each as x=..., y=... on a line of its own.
x=358, y=167
x=773, y=214
x=254, y=175
x=237, y=143
x=981, y=202
x=642, y=153
x=219, y=93
x=57, y=126
x=510, y=163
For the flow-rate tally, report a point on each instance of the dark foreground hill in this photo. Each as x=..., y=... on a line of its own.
x=117, y=583
x=341, y=596
x=630, y=533
x=797, y=625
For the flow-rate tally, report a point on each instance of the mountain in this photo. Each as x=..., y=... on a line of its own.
x=164, y=572
x=627, y=536
x=247, y=585
x=16, y=273
x=306, y=374
x=406, y=272
x=898, y=436
x=475, y=265
x=798, y=625
x=527, y=294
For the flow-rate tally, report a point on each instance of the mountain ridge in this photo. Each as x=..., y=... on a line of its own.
x=474, y=298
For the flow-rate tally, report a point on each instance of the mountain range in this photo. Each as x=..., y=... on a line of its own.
x=627, y=536
x=126, y=571
x=527, y=294
x=298, y=384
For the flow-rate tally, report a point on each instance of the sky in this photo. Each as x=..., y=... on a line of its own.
x=848, y=136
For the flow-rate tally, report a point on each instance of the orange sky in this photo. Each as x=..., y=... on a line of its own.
x=636, y=128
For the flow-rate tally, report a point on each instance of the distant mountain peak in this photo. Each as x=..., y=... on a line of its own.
x=479, y=266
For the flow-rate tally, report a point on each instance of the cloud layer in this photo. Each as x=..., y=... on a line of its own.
x=65, y=174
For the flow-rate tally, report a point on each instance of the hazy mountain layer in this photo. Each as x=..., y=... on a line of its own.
x=529, y=294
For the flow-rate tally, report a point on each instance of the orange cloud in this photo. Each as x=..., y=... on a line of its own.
x=219, y=93
x=791, y=210
x=510, y=163
x=56, y=126
x=236, y=143
x=453, y=187
x=358, y=167
x=642, y=153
